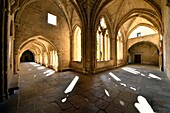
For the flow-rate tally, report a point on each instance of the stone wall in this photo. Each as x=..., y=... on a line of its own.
x=33, y=22
x=149, y=38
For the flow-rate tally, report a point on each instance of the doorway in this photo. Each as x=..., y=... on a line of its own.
x=137, y=59
x=27, y=56
x=27, y=59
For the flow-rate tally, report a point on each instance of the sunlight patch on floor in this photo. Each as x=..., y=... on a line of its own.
x=50, y=73
x=131, y=70
x=132, y=88
x=70, y=88
x=142, y=74
x=143, y=106
x=107, y=93
x=36, y=65
x=154, y=76
x=114, y=76
x=34, y=76
x=64, y=100
x=122, y=103
x=72, y=85
x=122, y=84
x=41, y=67
x=32, y=63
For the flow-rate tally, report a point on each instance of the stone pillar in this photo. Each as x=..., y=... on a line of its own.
x=59, y=61
x=166, y=37
x=48, y=59
x=12, y=53
x=160, y=61
x=4, y=13
x=103, y=54
x=114, y=49
x=16, y=64
x=88, y=50
x=42, y=57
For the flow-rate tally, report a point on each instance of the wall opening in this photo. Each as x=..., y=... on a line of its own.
x=77, y=44
x=52, y=19
x=27, y=56
x=144, y=53
x=103, y=41
x=137, y=59
x=119, y=46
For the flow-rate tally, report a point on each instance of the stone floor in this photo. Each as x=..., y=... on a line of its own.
x=115, y=91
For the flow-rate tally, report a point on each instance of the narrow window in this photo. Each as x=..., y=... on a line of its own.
x=52, y=19
x=119, y=46
x=77, y=44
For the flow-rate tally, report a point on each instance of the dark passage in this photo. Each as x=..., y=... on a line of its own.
x=27, y=56
x=137, y=59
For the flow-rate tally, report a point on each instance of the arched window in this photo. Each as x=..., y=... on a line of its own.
x=119, y=46
x=103, y=41
x=77, y=44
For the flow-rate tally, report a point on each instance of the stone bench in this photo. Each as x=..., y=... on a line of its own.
x=14, y=85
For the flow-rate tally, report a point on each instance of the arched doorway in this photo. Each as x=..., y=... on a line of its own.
x=27, y=56
x=144, y=53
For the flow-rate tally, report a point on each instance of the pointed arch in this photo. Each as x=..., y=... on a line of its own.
x=102, y=41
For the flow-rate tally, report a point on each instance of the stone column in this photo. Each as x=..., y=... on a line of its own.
x=114, y=49
x=48, y=59
x=166, y=37
x=16, y=64
x=88, y=42
x=4, y=13
x=59, y=61
x=103, y=35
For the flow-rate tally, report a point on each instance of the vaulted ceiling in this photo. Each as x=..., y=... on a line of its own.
x=122, y=14
x=37, y=45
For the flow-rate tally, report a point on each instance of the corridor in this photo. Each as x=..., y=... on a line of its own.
x=44, y=91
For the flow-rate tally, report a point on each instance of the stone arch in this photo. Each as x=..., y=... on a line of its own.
x=144, y=42
x=144, y=52
x=36, y=40
x=107, y=20
x=43, y=50
x=139, y=41
x=102, y=45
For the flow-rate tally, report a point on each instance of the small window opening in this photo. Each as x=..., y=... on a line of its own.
x=139, y=34
x=52, y=19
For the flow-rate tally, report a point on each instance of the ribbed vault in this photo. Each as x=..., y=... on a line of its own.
x=36, y=45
